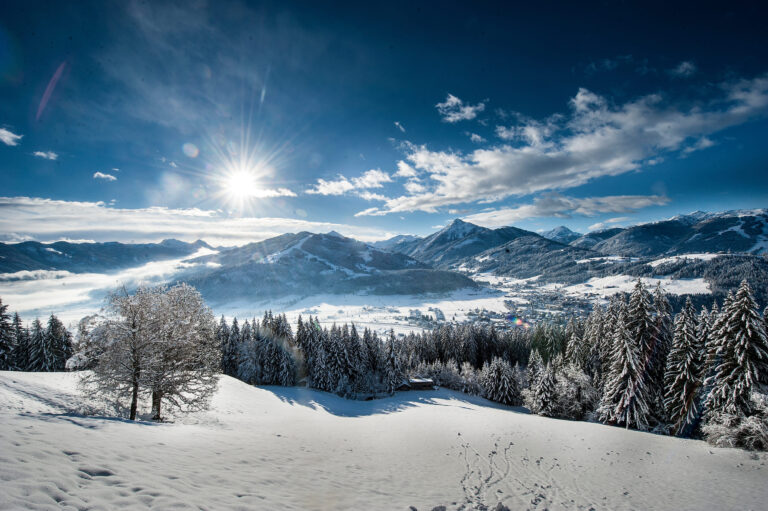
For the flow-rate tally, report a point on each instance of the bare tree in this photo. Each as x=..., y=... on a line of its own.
x=158, y=341
x=186, y=356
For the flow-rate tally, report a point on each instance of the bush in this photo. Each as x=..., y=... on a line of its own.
x=727, y=430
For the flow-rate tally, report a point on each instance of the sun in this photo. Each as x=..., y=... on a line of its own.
x=240, y=184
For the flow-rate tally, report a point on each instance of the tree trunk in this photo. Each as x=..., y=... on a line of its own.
x=134, y=400
x=157, y=397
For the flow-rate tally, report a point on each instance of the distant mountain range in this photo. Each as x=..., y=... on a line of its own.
x=305, y=263
x=89, y=257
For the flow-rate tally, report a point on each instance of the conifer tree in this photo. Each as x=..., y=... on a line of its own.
x=7, y=340
x=59, y=341
x=394, y=373
x=500, y=384
x=20, y=344
x=229, y=350
x=664, y=335
x=741, y=358
x=544, y=400
x=40, y=352
x=682, y=380
x=625, y=398
x=535, y=367
x=643, y=332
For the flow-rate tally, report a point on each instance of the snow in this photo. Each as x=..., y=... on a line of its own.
x=700, y=257
x=608, y=286
x=298, y=449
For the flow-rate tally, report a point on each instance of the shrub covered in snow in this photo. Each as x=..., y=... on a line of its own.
x=729, y=430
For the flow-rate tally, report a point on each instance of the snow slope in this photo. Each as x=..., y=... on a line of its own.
x=291, y=448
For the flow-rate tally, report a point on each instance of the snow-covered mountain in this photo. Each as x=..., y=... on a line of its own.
x=561, y=234
x=303, y=264
x=396, y=243
x=744, y=231
x=460, y=240
x=89, y=257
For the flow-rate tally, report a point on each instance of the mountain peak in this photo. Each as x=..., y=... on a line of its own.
x=561, y=234
x=334, y=234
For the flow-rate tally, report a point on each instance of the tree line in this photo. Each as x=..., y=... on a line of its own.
x=631, y=363
x=37, y=348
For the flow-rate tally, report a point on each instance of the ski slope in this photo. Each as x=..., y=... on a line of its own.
x=292, y=448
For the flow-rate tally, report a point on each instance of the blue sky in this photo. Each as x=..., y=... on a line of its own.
x=236, y=120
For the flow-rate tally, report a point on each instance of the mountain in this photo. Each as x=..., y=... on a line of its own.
x=396, y=243
x=458, y=241
x=89, y=257
x=304, y=264
x=561, y=234
x=744, y=231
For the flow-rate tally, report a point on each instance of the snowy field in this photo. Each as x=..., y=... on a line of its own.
x=290, y=448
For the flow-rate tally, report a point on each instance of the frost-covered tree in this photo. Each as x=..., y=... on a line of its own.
x=394, y=375
x=500, y=384
x=58, y=338
x=535, y=367
x=544, y=394
x=20, y=344
x=740, y=356
x=7, y=339
x=643, y=331
x=41, y=357
x=126, y=346
x=229, y=350
x=625, y=399
x=660, y=350
x=683, y=376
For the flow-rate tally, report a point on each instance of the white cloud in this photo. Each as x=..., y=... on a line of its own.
x=684, y=69
x=30, y=218
x=556, y=205
x=369, y=196
x=607, y=223
x=48, y=155
x=373, y=178
x=399, y=126
x=700, y=144
x=106, y=177
x=405, y=170
x=596, y=139
x=454, y=110
x=7, y=137
x=477, y=139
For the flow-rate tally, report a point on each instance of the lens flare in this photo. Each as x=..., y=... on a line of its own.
x=190, y=150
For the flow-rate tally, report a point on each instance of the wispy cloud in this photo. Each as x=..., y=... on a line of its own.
x=48, y=155
x=8, y=137
x=559, y=206
x=595, y=139
x=31, y=218
x=105, y=177
x=477, y=139
x=611, y=222
x=399, y=126
x=454, y=110
x=684, y=69
x=373, y=178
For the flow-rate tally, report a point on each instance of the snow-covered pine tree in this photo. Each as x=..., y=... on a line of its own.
x=643, y=332
x=660, y=352
x=20, y=344
x=229, y=350
x=287, y=369
x=40, y=352
x=60, y=342
x=625, y=399
x=7, y=339
x=682, y=380
x=577, y=350
x=500, y=384
x=222, y=333
x=544, y=396
x=394, y=375
x=741, y=356
x=248, y=368
x=535, y=367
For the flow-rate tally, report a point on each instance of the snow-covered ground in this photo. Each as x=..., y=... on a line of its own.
x=292, y=448
x=608, y=286
x=699, y=257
